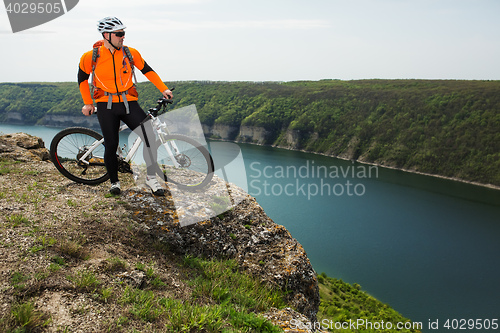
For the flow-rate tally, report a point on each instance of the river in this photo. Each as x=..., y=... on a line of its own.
x=428, y=247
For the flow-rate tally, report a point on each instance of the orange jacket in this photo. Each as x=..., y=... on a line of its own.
x=113, y=74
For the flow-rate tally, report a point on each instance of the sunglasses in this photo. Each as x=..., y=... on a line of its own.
x=119, y=33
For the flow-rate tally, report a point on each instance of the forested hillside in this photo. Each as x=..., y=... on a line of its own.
x=448, y=128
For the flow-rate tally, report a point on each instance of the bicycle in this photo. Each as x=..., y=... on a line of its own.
x=78, y=154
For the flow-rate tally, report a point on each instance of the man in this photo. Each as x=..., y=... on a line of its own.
x=115, y=94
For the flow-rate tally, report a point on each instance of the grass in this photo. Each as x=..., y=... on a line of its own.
x=220, y=204
x=16, y=220
x=26, y=317
x=85, y=280
x=191, y=316
x=115, y=264
x=341, y=302
x=17, y=280
x=154, y=279
x=106, y=293
x=144, y=304
x=53, y=267
x=222, y=281
x=36, y=248
x=8, y=166
x=58, y=261
x=140, y=266
x=73, y=249
x=46, y=241
x=71, y=203
x=223, y=299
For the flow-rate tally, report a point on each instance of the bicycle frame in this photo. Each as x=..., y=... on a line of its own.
x=158, y=127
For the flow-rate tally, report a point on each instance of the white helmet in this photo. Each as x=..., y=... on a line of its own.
x=109, y=24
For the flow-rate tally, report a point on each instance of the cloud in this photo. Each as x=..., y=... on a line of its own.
x=284, y=24
x=139, y=24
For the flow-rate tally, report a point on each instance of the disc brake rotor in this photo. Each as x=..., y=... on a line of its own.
x=183, y=160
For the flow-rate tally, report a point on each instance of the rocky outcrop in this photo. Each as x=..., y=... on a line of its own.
x=287, y=138
x=352, y=147
x=296, y=139
x=224, y=132
x=14, y=118
x=244, y=233
x=23, y=147
x=253, y=134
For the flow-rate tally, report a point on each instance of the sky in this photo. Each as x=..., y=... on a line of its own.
x=270, y=40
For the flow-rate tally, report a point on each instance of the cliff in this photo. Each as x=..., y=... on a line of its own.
x=62, y=120
x=73, y=257
x=287, y=138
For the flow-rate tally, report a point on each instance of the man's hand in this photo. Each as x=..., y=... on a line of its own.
x=168, y=94
x=88, y=109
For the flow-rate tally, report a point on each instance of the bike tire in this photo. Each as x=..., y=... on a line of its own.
x=71, y=142
x=197, y=166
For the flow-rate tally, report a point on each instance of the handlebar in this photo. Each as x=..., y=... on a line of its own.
x=162, y=102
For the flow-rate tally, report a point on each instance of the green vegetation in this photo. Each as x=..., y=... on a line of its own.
x=17, y=280
x=223, y=300
x=27, y=318
x=449, y=128
x=222, y=281
x=73, y=248
x=18, y=219
x=343, y=302
x=85, y=280
x=8, y=166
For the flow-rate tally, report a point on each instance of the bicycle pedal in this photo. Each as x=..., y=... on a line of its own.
x=124, y=167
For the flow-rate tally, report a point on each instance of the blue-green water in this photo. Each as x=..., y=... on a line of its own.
x=429, y=247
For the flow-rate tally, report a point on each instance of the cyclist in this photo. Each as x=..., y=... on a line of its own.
x=115, y=94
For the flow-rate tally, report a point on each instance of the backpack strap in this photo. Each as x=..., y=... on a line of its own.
x=128, y=54
x=126, y=50
x=95, y=56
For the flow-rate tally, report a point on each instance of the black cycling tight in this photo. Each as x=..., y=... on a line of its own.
x=109, y=119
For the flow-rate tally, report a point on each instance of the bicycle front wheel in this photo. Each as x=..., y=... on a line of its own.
x=67, y=150
x=185, y=162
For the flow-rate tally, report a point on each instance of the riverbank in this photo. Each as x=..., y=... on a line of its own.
x=490, y=186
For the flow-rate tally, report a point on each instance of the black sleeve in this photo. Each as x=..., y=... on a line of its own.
x=82, y=76
x=146, y=68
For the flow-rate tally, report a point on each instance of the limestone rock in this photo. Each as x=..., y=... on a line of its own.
x=23, y=147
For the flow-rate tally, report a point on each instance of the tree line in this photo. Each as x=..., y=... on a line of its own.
x=444, y=127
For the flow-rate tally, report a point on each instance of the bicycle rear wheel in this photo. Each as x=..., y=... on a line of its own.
x=193, y=167
x=66, y=150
